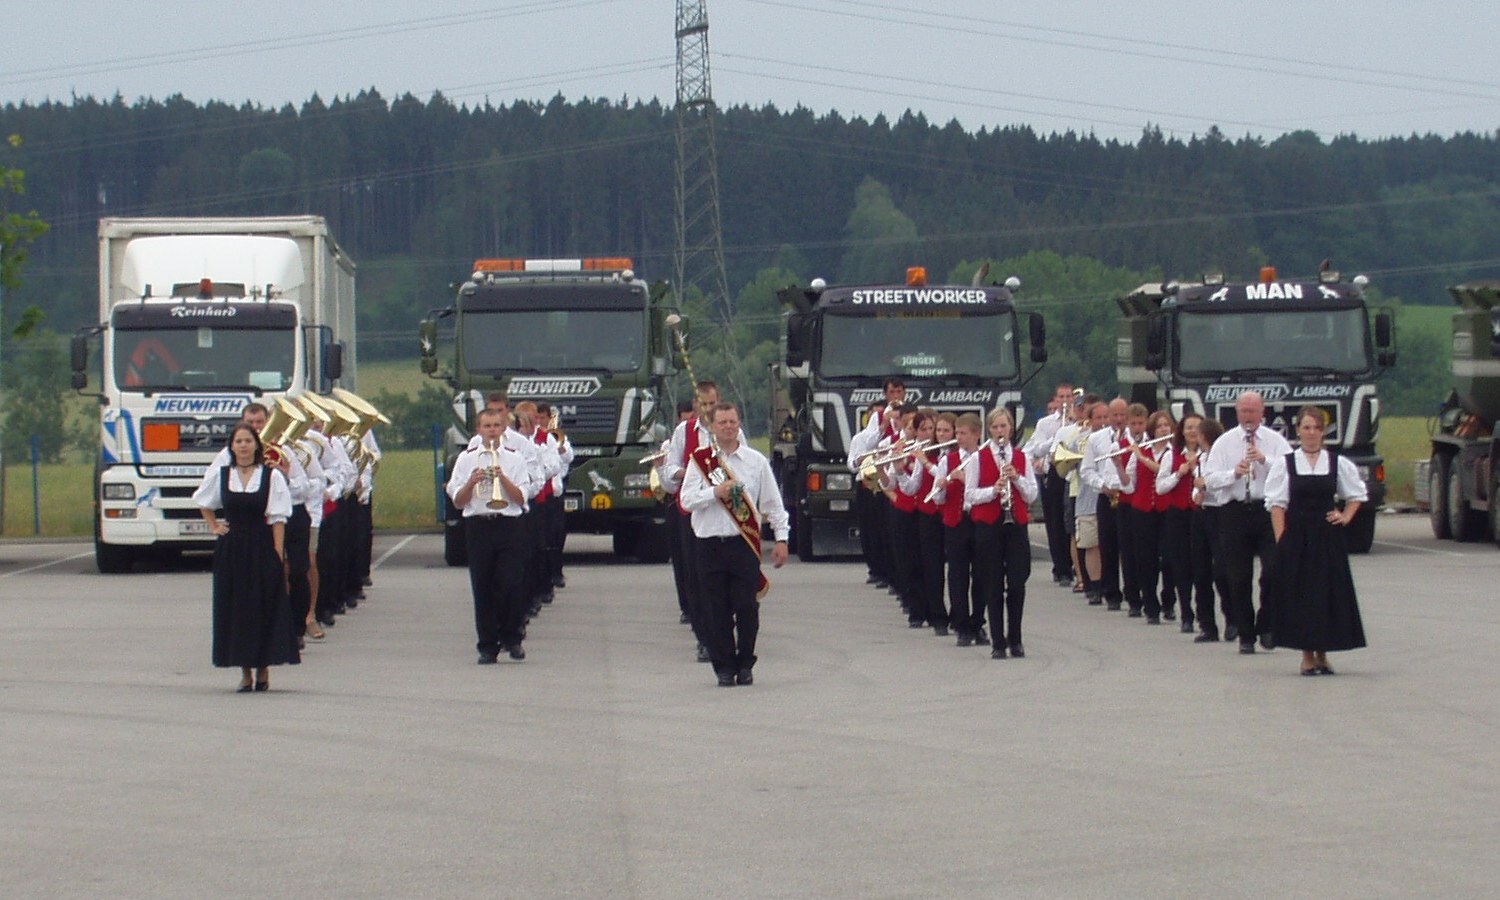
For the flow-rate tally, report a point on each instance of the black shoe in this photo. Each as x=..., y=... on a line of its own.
x=881, y=584
x=1112, y=605
x=891, y=589
x=245, y=688
x=940, y=630
x=1231, y=632
x=350, y=603
x=872, y=580
x=745, y=676
x=1135, y=612
x=559, y=582
x=998, y=652
x=360, y=593
x=488, y=659
x=684, y=620
x=703, y=654
x=726, y=679
x=1247, y=647
x=516, y=653
x=326, y=621
x=262, y=686
x=548, y=597
x=1094, y=599
x=965, y=640
x=367, y=582
x=1326, y=670
x=981, y=638
x=341, y=610
x=915, y=623
x=1152, y=620
x=1187, y=626
x=1313, y=671
x=1169, y=614
x=1017, y=650
x=1208, y=637
x=1268, y=641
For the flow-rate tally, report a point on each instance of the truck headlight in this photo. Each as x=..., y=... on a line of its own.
x=119, y=491
x=638, y=480
x=838, y=482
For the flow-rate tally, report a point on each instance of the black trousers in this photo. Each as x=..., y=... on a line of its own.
x=965, y=598
x=1245, y=535
x=728, y=572
x=1054, y=501
x=496, y=544
x=557, y=536
x=930, y=551
x=331, y=559
x=1109, y=551
x=1124, y=516
x=1208, y=568
x=1003, y=564
x=538, y=582
x=1177, y=562
x=685, y=573
x=295, y=543
x=867, y=513
x=907, y=559
x=358, y=537
x=1144, y=536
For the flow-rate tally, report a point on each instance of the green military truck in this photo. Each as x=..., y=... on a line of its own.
x=588, y=337
x=1463, y=475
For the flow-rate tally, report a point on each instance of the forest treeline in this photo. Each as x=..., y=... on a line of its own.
x=416, y=189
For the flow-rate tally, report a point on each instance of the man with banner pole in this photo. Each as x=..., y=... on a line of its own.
x=727, y=488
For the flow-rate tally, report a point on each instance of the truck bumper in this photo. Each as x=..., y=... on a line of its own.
x=158, y=511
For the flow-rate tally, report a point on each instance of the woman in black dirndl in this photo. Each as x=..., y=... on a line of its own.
x=1316, y=609
x=252, y=614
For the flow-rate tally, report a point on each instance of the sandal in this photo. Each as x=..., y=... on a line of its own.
x=314, y=631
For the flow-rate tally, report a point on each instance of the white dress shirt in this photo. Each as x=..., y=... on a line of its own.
x=514, y=466
x=1042, y=441
x=1224, y=484
x=753, y=471
x=1351, y=487
x=1097, y=472
x=529, y=451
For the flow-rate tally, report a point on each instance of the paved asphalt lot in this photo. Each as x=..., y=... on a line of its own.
x=868, y=760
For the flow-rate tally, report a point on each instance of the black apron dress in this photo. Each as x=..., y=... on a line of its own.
x=252, y=613
x=1315, y=608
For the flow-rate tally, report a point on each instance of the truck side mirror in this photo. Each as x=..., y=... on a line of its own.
x=78, y=355
x=333, y=361
x=1155, y=344
x=427, y=334
x=796, y=339
x=1037, y=328
x=1384, y=328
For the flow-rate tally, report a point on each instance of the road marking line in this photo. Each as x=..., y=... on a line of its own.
x=387, y=554
x=44, y=565
x=1420, y=549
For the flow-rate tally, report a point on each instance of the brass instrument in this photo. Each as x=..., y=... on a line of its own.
x=650, y=458
x=658, y=490
x=497, y=490
x=1065, y=460
x=369, y=416
x=884, y=456
x=284, y=427
x=554, y=427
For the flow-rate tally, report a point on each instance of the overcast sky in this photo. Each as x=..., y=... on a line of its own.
x=1372, y=68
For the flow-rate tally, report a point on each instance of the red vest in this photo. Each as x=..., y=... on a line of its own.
x=540, y=438
x=925, y=506
x=690, y=442
x=904, y=502
x=1143, y=498
x=953, y=502
x=1180, y=496
x=989, y=473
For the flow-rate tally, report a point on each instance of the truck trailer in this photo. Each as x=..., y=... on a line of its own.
x=1463, y=470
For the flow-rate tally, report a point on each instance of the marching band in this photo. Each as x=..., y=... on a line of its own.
x=1143, y=513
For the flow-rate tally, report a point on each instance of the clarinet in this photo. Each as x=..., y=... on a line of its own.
x=1006, y=500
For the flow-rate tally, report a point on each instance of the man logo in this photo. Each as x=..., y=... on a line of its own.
x=601, y=501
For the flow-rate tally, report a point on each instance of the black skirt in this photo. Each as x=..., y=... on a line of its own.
x=252, y=612
x=1315, y=606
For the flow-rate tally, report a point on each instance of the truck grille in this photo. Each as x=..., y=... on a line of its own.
x=598, y=415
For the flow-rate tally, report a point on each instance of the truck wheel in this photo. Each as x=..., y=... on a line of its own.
x=653, y=542
x=111, y=559
x=455, y=549
x=1360, y=533
x=1463, y=523
x=804, y=538
x=1437, y=496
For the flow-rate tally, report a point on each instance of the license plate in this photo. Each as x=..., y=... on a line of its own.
x=199, y=527
x=572, y=502
x=838, y=505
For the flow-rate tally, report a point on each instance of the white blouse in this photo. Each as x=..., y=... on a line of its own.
x=1278, y=484
x=278, y=504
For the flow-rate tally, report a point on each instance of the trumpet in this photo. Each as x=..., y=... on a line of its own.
x=497, y=490
x=1123, y=450
x=554, y=426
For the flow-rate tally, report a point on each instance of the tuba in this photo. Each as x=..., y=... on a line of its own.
x=369, y=417
x=284, y=428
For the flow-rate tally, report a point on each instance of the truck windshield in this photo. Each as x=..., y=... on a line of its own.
x=554, y=340
x=204, y=357
x=1224, y=343
x=919, y=346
